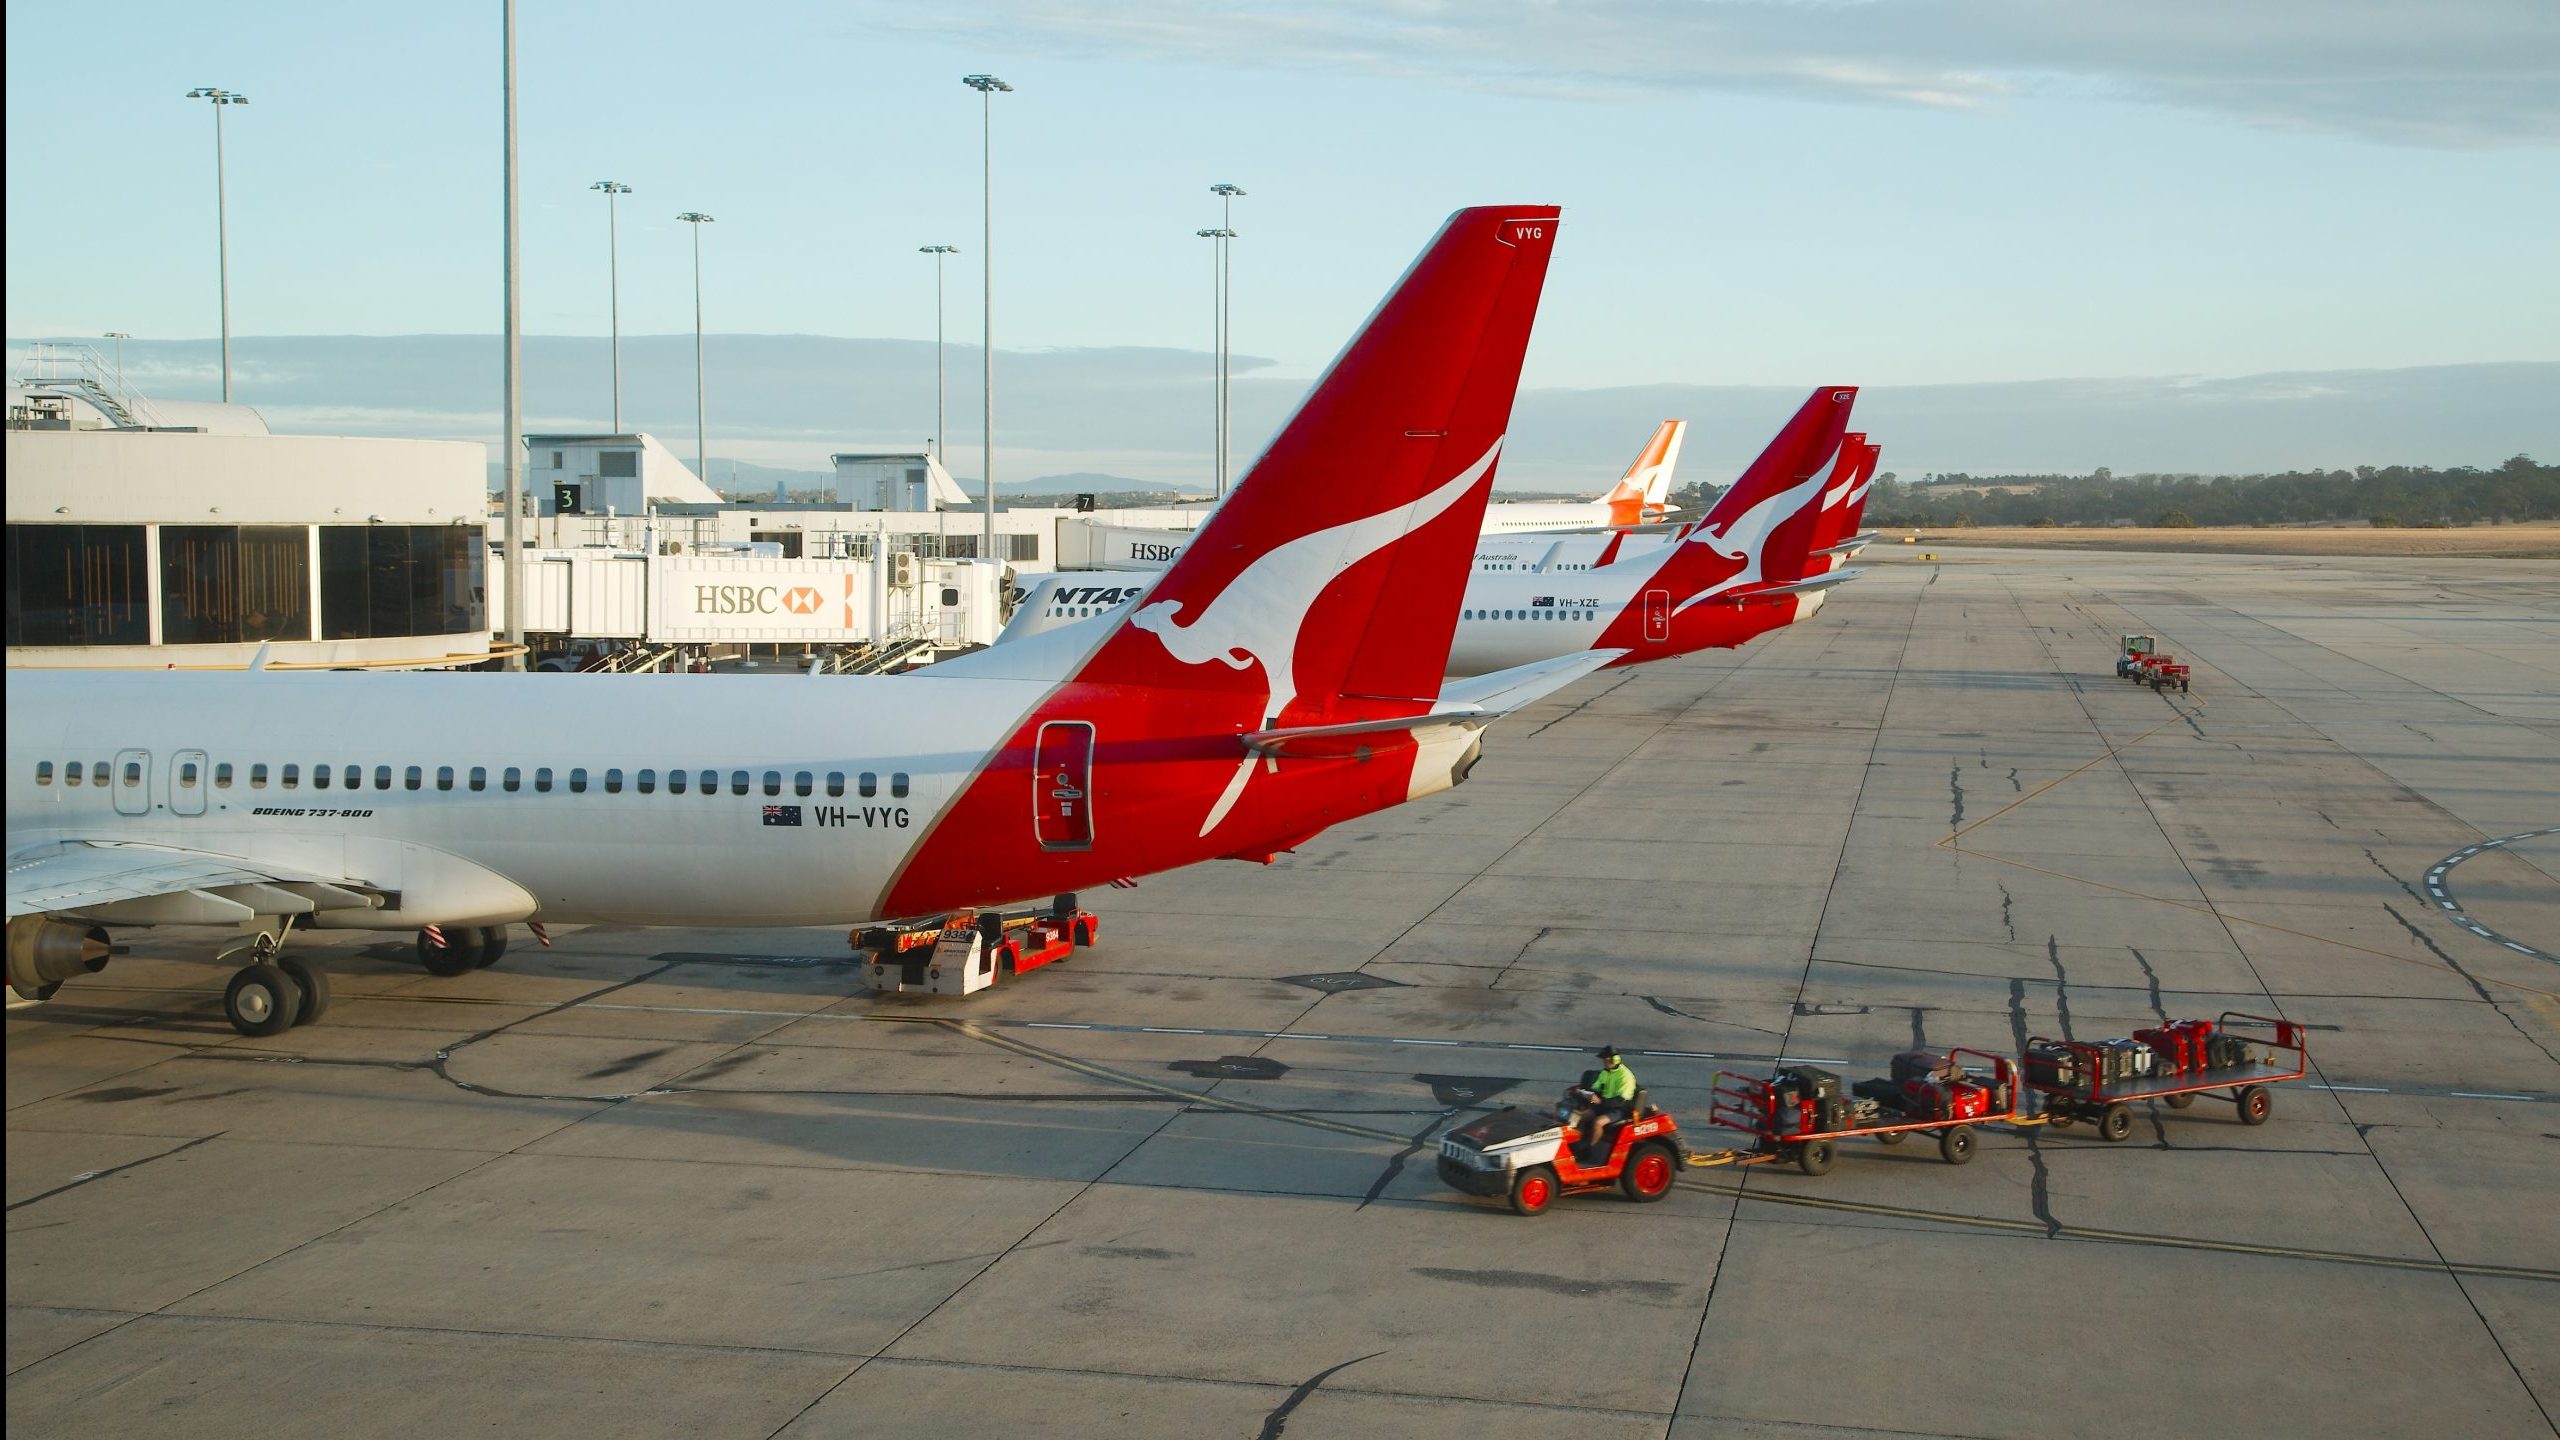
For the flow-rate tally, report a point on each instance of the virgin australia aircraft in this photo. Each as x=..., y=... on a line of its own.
x=1285, y=675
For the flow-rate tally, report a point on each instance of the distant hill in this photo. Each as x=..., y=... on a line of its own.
x=1089, y=418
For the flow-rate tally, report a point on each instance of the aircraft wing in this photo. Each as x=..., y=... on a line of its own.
x=166, y=885
x=1472, y=702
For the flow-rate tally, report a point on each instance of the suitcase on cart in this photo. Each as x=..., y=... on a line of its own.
x=1815, y=1084
x=2124, y=1059
x=2170, y=1051
x=1923, y=1065
x=2053, y=1065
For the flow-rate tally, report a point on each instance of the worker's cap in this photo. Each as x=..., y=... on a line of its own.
x=1608, y=1052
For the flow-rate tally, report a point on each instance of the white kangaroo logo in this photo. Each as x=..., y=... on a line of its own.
x=1259, y=614
x=1747, y=538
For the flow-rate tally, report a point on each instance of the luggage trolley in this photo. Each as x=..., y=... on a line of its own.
x=2081, y=1080
x=1808, y=1129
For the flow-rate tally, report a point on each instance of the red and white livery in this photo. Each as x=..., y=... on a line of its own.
x=1284, y=676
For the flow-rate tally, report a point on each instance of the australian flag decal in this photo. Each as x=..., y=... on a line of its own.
x=782, y=814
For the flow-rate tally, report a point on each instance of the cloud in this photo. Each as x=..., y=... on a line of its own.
x=791, y=400
x=2445, y=73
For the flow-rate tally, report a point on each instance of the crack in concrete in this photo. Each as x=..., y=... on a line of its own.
x=2061, y=984
x=2040, y=1183
x=2468, y=979
x=2158, y=1006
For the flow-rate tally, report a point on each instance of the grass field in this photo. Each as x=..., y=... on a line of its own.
x=2540, y=540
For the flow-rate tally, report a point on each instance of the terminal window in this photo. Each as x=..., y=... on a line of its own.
x=394, y=580
x=618, y=464
x=78, y=585
x=224, y=584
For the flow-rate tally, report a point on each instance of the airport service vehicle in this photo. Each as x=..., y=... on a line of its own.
x=1530, y=1157
x=1283, y=676
x=1740, y=571
x=968, y=951
x=2141, y=659
x=1800, y=1115
x=2238, y=1056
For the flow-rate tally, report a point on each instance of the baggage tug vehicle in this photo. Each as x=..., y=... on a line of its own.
x=1529, y=1157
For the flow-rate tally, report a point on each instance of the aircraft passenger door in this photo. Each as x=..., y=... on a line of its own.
x=132, y=781
x=1062, y=786
x=1657, y=615
x=187, y=781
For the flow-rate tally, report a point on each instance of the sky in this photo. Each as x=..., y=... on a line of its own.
x=1757, y=193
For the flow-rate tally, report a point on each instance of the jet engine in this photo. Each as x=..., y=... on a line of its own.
x=44, y=953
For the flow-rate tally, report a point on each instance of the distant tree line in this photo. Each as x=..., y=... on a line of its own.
x=2388, y=495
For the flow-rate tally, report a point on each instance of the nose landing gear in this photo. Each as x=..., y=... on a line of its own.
x=450, y=950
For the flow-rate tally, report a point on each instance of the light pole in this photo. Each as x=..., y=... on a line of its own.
x=941, y=385
x=1217, y=353
x=222, y=219
x=701, y=443
x=987, y=86
x=119, y=337
x=512, y=268
x=1226, y=194
x=613, y=283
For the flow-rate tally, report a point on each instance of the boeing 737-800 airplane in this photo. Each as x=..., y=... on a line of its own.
x=1284, y=676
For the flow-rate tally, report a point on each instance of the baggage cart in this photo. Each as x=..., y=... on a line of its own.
x=1789, y=1128
x=2084, y=1090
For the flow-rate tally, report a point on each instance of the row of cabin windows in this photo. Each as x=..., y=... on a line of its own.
x=1538, y=614
x=866, y=784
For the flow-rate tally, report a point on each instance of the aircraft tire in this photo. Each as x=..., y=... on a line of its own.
x=456, y=956
x=312, y=986
x=261, y=1000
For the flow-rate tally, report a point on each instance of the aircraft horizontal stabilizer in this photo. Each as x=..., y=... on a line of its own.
x=1471, y=702
x=1818, y=582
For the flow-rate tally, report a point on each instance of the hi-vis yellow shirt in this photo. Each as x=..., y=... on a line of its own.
x=1616, y=1083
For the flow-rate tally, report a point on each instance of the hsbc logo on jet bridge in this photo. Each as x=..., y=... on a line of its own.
x=757, y=599
x=722, y=599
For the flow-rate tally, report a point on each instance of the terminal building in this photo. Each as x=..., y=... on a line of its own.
x=150, y=534
x=154, y=534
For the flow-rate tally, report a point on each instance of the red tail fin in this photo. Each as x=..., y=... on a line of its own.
x=1329, y=581
x=1848, y=471
x=1810, y=436
x=1762, y=529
